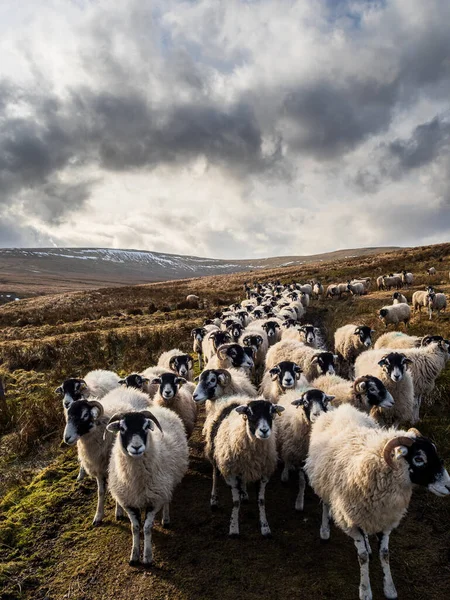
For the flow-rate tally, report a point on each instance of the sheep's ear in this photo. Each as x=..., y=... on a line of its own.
x=315, y=360
x=59, y=391
x=180, y=381
x=274, y=373
x=300, y=402
x=277, y=409
x=145, y=380
x=361, y=386
x=407, y=362
x=190, y=363
x=357, y=330
x=242, y=410
x=383, y=362
x=328, y=399
x=122, y=382
x=156, y=381
x=197, y=379
x=113, y=427
x=372, y=331
x=83, y=386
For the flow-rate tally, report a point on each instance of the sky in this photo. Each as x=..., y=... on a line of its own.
x=237, y=129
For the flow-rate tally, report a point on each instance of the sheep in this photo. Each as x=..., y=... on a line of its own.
x=431, y=271
x=255, y=337
x=86, y=421
x=399, y=298
x=193, y=300
x=299, y=306
x=317, y=290
x=287, y=312
x=356, y=289
x=293, y=432
x=306, y=288
x=219, y=384
x=286, y=375
x=436, y=301
x=366, y=282
x=213, y=340
x=136, y=381
x=177, y=397
x=392, y=369
x=304, y=300
x=272, y=327
x=178, y=362
x=145, y=467
x=312, y=361
x=234, y=328
x=395, y=314
x=364, y=393
x=308, y=334
x=332, y=290
x=232, y=355
x=365, y=477
x=241, y=445
x=342, y=289
x=419, y=299
x=397, y=339
x=149, y=374
x=393, y=280
x=198, y=334
x=407, y=278
x=96, y=384
x=350, y=340
x=380, y=283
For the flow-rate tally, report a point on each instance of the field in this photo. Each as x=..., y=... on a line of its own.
x=48, y=549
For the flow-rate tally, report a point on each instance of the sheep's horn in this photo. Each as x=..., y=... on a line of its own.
x=116, y=417
x=98, y=405
x=152, y=417
x=415, y=431
x=226, y=374
x=171, y=361
x=394, y=443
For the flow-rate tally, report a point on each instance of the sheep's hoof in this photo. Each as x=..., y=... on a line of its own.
x=134, y=563
x=165, y=524
x=148, y=564
x=121, y=518
x=233, y=535
x=96, y=522
x=267, y=535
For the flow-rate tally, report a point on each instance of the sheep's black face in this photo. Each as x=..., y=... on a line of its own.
x=430, y=339
x=373, y=391
x=259, y=415
x=383, y=313
x=287, y=373
x=425, y=466
x=235, y=330
x=267, y=308
x=168, y=385
x=325, y=363
x=309, y=333
x=395, y=365
x=133, y=381
x=252, y=341
x=208, y=322
x=271, y=329
x=219, y=338
x=182, y=364
x=364, y=334
x=198, y=333
x=81, y=418
x=72, y=389
x=133, y=430
x=206, y=386
x=240, y=357
x=258, y=314
x=289, y=323
x=314, y=403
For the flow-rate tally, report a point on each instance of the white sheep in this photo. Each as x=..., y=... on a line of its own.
x=397, y=339
x=356, y=289
x=407, y=278
x=391, y=281
x=364, y=393
x=308, y=334
x=436, y=301
x=380, y=282
x=145, y=467
x=241, y=445
x=317, y=290
x=178, y=362
x=431, y=271
x=86, y=422
x=419, y=299
x=95, y=384
x=392, y=369
x=173, y=393
x=302, y=408
x=198, y=333
x=254, y=336
x=213, y=340
x=365, y=477
x=219, y=384
x=232, y=355
x=313, y=362
x=395, y=314
x=284, y=376
x=350, y=340
x=332, y=290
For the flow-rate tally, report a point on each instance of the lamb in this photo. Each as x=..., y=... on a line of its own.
x=174, y=395
x=350, y=340
x=178, y=362
x=364, y=393
x=198, y=334
x=395, y=314
x=213, y=340
x=313, y=362
x=241, y=444
x=365, y=477
x=392, y=369
x=145, y=468
x=232, y=355
x=419, y=299
x=286, y=375
x=399, y=298
x=436, y=301
x=86, y=422
x=96, y=384
x=294, y=429
x=407, y=278
x=219, y=384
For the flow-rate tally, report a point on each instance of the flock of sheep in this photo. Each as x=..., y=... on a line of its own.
x=271, y=393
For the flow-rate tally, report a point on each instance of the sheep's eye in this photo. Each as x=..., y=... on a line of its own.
x=418, y=461
x=122, y=429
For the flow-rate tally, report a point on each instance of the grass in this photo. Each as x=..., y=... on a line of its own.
x=48, y=549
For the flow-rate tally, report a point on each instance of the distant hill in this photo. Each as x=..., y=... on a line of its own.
x=31, y=271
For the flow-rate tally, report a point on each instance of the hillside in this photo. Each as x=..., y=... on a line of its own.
x=48, y=549
x=28, y=271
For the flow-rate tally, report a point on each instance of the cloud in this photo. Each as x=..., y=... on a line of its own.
x=232, y=130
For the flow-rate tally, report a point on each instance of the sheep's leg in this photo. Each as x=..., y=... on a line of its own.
x=200, y=363
x=119, y=512
x=300, y=500
x=366, y=541
x=150, y=514
x=243, y=492
x=388, y=585
x=325, y=526
x=81, y=473
x=214, y=501
x=234, y=522
x=416, y=414
x=265, y=529
x=134, y=514
x=101, y=489
x=165, y=521
x=358, y=536
x=285, y=473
